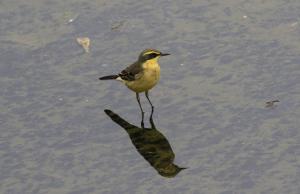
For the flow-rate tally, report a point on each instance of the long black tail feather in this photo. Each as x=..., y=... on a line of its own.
x=109, y=77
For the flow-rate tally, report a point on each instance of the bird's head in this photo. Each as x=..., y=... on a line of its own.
x=151, y=54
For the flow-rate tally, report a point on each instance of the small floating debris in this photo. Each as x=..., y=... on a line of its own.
x=245, y=17
x=117, y=25
x=270, y=104
x=294, y=24
x=70, y=19
x=85, y=43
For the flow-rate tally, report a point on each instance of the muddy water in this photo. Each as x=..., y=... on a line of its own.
x=228, y=58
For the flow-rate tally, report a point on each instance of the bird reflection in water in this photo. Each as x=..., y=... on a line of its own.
x=151, y=144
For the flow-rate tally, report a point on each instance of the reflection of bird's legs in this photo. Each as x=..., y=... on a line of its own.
x=138, y=99
x=152, y=110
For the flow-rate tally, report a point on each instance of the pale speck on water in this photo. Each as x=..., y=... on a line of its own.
x=71, y=20
x=294, y=24
x=228, y=58
x=104, y=65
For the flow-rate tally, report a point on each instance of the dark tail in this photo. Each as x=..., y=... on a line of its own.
x=117, y=119
x=109, y=77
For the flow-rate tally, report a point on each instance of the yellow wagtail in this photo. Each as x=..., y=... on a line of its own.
x=142, y=75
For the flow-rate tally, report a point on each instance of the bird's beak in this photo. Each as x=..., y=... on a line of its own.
x=164, y=54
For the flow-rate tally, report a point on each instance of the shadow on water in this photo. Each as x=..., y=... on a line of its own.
x=151, y=144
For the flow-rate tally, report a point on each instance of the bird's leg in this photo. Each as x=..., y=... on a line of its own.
x=147, y=96
x=152, y=110
x=138, y=99
x=151, y=121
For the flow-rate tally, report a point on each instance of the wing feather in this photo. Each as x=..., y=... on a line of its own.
x=132, y=72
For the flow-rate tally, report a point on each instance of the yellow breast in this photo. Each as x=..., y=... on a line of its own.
x=148, y=79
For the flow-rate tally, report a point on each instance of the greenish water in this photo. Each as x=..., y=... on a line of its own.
x=227, y=59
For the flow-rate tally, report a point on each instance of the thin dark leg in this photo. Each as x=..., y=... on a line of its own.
x=152, y=110
x=147, y=96
x=138, y=99
x=151, y=121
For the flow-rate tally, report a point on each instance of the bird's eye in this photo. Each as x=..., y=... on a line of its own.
x=151, y=56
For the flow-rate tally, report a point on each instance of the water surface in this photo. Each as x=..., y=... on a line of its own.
x=227, y=59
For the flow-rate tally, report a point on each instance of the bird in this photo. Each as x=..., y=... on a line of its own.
x=141, y=76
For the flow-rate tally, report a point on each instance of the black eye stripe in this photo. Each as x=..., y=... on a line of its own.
x=152, y=55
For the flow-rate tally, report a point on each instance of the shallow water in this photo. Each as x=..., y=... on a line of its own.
x=227, y=59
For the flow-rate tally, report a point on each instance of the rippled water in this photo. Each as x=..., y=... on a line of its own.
x=227, y=59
